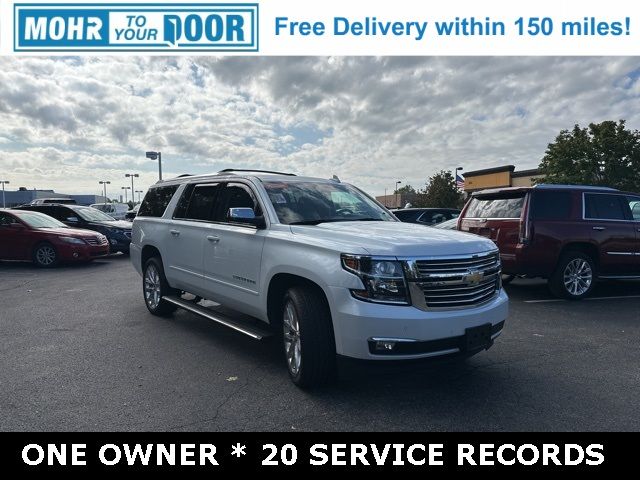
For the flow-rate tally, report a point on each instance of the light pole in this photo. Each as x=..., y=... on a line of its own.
x=156, y=156
x=4, y=182
x=397, y=202
x=125, y=193
x=132, y=175
x=139, y=192
x=104, y=184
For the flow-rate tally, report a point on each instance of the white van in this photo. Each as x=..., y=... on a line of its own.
x=115, y=210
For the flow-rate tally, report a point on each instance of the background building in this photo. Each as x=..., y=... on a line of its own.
x=22, y=196
x=504, y=176
x=396, y=201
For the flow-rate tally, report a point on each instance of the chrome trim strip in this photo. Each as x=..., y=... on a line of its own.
x=622, y=253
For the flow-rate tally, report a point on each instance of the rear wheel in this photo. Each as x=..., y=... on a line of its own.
x=309, y=345
x=154, y=287
x=45, y=255
x=574, y=277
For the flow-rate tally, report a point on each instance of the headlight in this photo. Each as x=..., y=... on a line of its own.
x=114, y=230
x=383, y=279
x=75, y=241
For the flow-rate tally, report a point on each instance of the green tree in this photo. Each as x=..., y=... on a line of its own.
x=405, y=190
x=441, y=191
x=604, y=154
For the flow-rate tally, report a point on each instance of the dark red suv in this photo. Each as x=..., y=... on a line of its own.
x=569, y=234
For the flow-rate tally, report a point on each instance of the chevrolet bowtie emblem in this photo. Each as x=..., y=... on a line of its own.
x=473, y=278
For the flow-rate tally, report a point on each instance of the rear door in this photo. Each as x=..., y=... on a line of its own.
x=613, y=231
x=14, y=238
x=496, y=216
x=186, y=235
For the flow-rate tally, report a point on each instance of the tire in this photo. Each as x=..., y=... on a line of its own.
x=507, y=279
x=45, y=255
x=154, y=287
x=574, y=277
x=308, y=341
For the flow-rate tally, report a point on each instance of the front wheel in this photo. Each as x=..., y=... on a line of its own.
x=309, y=344
x=155, y=286
x=574, y=277
x=45, y=255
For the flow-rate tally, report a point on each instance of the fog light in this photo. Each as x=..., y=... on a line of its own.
x=113, y=241
x=385, y=345
x=75, y=254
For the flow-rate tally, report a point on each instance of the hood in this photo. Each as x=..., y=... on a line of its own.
x=113, y=224
x=70, y=232
x=394, y=238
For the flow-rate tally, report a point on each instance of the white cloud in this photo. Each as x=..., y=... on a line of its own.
x=67, y=123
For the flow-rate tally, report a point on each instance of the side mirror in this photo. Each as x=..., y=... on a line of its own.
x=72, y=219
x=246, y=216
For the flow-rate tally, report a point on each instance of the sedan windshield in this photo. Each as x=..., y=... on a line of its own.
x=92, y=215
x=39, y=220
x=311, y=203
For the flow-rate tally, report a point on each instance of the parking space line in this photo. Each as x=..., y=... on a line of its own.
x=551, y=300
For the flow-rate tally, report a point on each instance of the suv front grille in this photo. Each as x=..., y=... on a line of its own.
x=457, y=282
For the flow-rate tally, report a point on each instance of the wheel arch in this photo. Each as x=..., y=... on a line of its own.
x=279, y=284
x=587, y=248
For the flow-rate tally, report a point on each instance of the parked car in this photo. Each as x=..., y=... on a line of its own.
x=60, y=201
x=321, y=262
x=35, y=237
x=131, y=214
x=118, y=232
x=115, y=210
x=448, y=224
x=571, y=235
x=426, y=216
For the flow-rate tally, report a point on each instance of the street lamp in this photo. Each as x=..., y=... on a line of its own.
x=397, y=201
x=139, y=192
x=125, y=193
x=156, y=156
x=132, y=175
x=104, y=184
x=4, y=182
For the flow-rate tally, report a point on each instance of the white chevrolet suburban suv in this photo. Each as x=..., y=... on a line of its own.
x=331, y=269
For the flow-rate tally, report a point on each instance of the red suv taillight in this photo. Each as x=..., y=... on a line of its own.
x=524, y=234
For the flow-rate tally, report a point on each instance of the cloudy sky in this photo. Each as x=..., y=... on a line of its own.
x=66, y=123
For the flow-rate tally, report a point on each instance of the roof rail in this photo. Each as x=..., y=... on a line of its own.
x=251, y=170
x=583, y=187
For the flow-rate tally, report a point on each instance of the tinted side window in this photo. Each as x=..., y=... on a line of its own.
x=604, y=207
x=496, y=207
x=408, y=215
x=202, y=202
x=237, y=195
x=156, y=200
x=634, y=206
x=6, y=219
x=551, y=205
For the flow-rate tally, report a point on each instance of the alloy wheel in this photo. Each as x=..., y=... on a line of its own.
x=292, y=346
x=578, y=277
x=152, y=292
x=46, y=255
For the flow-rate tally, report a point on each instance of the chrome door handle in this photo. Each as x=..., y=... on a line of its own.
x=599, y=228
x=175, y=233
x=213, y=239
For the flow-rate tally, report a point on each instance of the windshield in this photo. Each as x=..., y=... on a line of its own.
x=311, y=203
x=92, y=215
x=39, y=220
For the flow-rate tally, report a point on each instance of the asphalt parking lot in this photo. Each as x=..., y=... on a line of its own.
x=79, y=351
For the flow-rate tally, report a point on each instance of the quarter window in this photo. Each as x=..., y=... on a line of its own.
x=156, y=200
x=550, y=205
x=604, y=207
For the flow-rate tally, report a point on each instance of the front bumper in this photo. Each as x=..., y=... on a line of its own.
x=432, y=333
x=81, y=253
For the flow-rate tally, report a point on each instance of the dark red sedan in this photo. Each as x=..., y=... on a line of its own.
x=33, y=236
